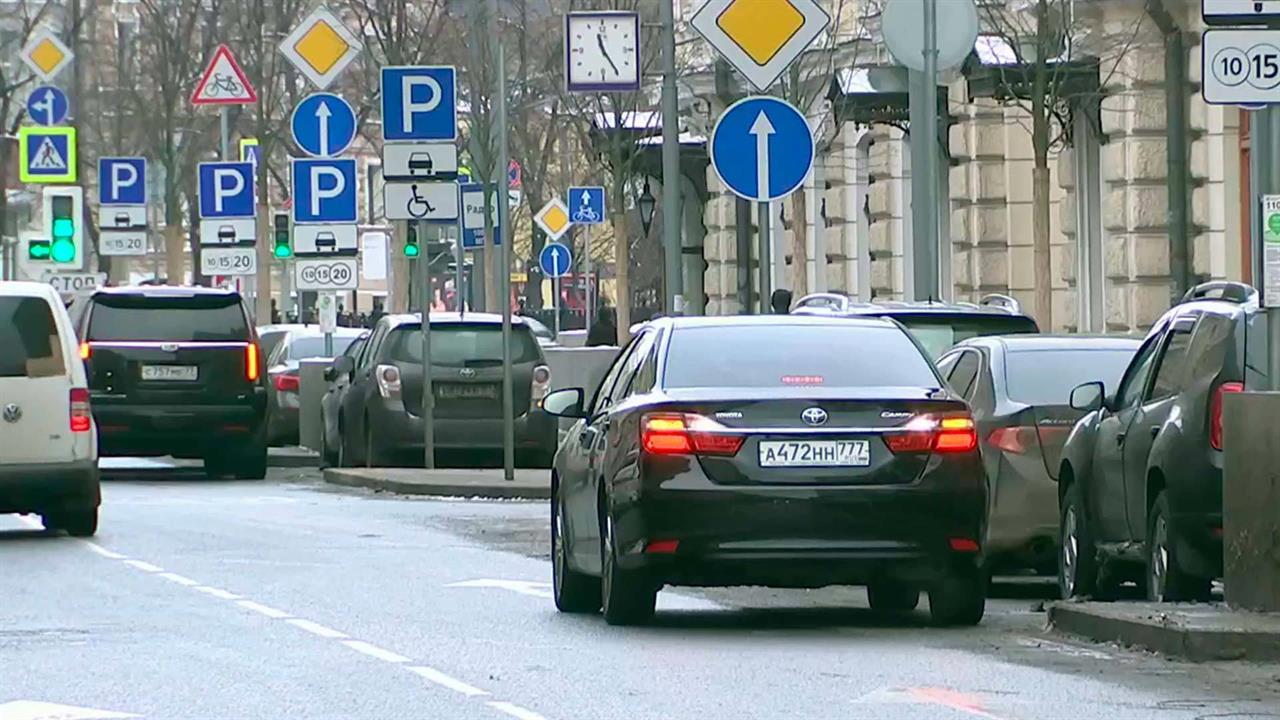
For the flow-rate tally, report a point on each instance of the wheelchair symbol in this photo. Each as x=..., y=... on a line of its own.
x=418, y=206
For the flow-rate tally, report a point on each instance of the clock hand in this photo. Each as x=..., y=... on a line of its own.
x=600, y=42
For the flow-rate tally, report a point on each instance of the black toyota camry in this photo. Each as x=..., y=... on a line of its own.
x=782, y=451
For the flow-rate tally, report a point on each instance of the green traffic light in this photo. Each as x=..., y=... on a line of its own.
x=63, y=250
x=38, y=250
x=283, y=251
x=63, y=228
x=411, y=251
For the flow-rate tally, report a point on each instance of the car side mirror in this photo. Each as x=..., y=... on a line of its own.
x=1088, y=396
x=565, y=403
x=342, y=366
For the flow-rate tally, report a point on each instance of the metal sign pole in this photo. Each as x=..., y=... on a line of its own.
x=555, y=302
x=504, y=267
x=460, y=297
x=766, y=261
x=586, y=265
x=428, y=392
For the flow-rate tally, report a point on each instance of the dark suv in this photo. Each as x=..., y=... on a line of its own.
x=1140, y=483
x=175, y=371
x=936, y=325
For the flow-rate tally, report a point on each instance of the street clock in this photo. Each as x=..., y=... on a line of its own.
x=602, y=51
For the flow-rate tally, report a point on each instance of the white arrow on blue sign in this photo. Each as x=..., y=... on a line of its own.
x=48, y=105
x=555, y=260
x=323, y=125
x=324, y=190
x=227, y=190
x=586, y=205
x=419, y=102
x=762, y=148
x=122, y=181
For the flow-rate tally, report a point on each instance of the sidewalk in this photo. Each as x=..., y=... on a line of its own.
x=486, y=483
x=292, y=457
x=1197, y=632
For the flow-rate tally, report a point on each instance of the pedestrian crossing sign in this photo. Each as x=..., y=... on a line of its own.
x=48, y=154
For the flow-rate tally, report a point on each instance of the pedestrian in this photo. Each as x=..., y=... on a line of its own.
x=604, y=331
x=275, y=313
x=780, y=301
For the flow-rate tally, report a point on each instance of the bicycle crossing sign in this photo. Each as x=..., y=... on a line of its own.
x=586, y=205
x=223, y=82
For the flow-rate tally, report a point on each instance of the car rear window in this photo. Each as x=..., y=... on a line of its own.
x=780, y=355
x=939, y=334
x=463, y=345
x=313, y=347
x=1046, y=377
x=181, y=318
x=29, y=345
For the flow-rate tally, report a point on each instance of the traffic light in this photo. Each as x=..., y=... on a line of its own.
x=411, y=248
x=63, y=210
x=39, y=250
x=283, y=243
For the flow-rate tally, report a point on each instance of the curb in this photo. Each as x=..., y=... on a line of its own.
x=1165, y=636
x=499, y=490
x=293, y=460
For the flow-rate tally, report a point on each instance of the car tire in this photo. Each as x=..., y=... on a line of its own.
x=575, y=592
x=374, y=456
x=627, y=597
x=1077, y=555
x=960, y=598
x=215, y=466
x=252, y=464
x=892, y=596
x=78, y=522
x=1166, y=581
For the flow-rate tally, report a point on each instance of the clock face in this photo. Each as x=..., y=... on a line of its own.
x=602, y=51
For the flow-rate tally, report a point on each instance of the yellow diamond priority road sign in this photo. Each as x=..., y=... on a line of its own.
x=46, y=54
x=321, y=47
x=760, y=38
x=553, y=218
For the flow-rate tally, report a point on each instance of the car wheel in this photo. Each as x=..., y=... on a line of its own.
x=79, y=522
x=892, y=596
x=1077, y=555
x=252, y=463
x=374, y=456
x=1166, y=580
x=627, y=597
x=215, y=466
x=575, y=592
x=959, y=599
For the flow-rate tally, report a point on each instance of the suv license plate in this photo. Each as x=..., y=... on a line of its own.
x=815, y=453
x=182, y=373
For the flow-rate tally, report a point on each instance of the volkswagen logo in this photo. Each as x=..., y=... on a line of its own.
x=814, y=416
x=169, y=347
x=467, y=373
x=12, y=413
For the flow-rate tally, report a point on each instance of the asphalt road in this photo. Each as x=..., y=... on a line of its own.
x=288, y=599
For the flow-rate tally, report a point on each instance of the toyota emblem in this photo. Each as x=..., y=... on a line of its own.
x=814, y=416
x=12, y=413
x=467, y=373
x=169, y=347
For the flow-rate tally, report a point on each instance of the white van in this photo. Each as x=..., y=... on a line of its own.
x=48, y=440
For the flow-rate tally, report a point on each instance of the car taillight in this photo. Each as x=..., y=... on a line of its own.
x=251, y=362
x=1016, y=440
x=951, y=434
x=81, y=419
x=1215, y=412
x=540, y=386
x=388, y=377
x=287, y=383
x=687, y=434
x=85, y=351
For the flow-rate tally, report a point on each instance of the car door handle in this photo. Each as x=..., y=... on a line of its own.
x=585, y=437
x=1120, y=438
x=1155, y=430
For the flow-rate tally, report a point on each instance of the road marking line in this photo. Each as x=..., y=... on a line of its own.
x=374, y=651
x=439, y=678
x=144, y=566
x=217, y=592
x=262, y=609
x=515, y=711
x=952, y=699
x=95, y=547
x=316, y=628
x=180, y=579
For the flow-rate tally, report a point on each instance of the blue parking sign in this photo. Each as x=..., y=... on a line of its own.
x=122, y=181
x=324, y=190
x=419, y=103
x=227, y=190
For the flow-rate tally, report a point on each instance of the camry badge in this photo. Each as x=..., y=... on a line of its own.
x=467, y=372
x=12, y=413
x=814, y=416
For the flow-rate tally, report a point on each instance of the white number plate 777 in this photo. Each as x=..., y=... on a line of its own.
x=815, y=453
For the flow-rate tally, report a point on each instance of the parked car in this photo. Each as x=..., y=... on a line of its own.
x=938, y=326
x=175, y=371
x=48, y=441
x=830, y=453
x=545, y=337
x=283, y=376
x=1018, y=388
x=380, y=421
x=338, y=375
x=1141, y=473
x=269, y=336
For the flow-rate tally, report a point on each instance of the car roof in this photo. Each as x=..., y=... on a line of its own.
x=451, y=317
x=1030, y=343
x=843, y=306
x=22, y=288
x=314, y=331
x=165, y=291
x=768, y=321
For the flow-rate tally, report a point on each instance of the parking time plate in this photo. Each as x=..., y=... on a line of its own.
x=815, y=453
x=169, y=373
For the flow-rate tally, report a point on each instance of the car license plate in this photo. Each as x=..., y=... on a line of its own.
x=815, y=453
x=181, y=373
x=460, y=391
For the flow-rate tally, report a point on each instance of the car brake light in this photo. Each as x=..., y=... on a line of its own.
x=540, y=386
x=1215, y=412
x=687, y=434
x=81, y=418
x=662, y=547
x=85, y=351
x=251, y=362
x=953, y=434
x=287, y=383
x=1016, y=440
x=388, y=377
x=964, y=545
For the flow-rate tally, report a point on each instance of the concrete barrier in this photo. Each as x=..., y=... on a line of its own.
x=311, y=389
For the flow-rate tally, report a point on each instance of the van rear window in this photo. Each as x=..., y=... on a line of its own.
x=29, y=345
x=181, y=318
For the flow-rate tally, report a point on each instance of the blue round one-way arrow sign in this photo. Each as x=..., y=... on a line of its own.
x=555, y=260
x=323, y=125
x=762, y=148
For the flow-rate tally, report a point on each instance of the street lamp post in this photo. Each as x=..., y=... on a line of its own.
x=647, y=203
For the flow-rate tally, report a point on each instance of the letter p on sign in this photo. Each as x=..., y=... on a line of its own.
x=318, y=192
x=221, y=188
